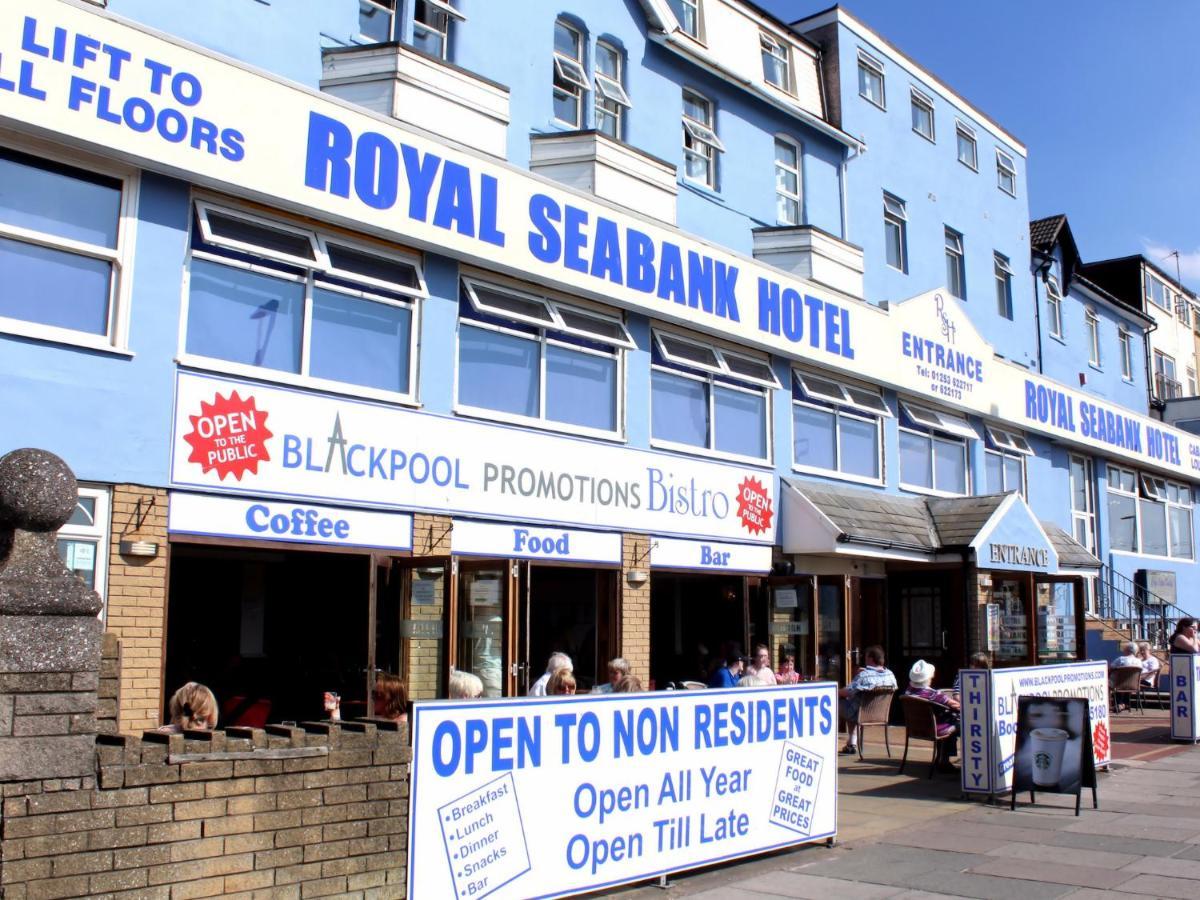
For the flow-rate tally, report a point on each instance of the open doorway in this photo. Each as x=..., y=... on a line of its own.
x=694, y=621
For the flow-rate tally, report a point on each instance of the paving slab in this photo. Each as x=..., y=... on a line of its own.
x=1054, y=872
x=1103, y=859
x=945, y=840
x=1122, y=829
x=1173, y=868
x=1162, y=886
x=985, y=887
x=813, y=887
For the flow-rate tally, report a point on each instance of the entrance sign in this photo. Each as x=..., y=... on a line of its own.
x=667, y=553
x=534, y=542
x=557, y=796
x=989, y=716
x=1054, y=748
x=1012, y=539
x=270, y=520
x=1185, y=695
x=318, y=447
x=89, y=79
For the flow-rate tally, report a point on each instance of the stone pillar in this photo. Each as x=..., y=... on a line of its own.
x=49, y=633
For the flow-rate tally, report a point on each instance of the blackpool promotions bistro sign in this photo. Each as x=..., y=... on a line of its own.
x=235, y=436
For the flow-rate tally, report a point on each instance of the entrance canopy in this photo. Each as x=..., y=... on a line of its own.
x=1001, y=529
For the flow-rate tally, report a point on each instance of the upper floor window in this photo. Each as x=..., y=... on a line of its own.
x=1156, y=292
x=1092, y=323
x=1006, y=173
x=1148, y=514
x=775, y=60
x=788, y=181
x=269, y=298
x=837, y=427
x=1191, y=382
x=1083, y=501
x=527, y=357
x=687, y=12
x=611, y=99
x=1126, y=341
x=968, y=150
x=431, y=26
x=1166, y=385
x=1004, y=277
x=709, y=397
x=83, y=540
x=956, y=276
x=63, y=239
x=1054, y=316
x=870, y=80
x=922, y=114
x=700, y=141
x=933, y=449
x=570, y=79
x=895, y=232
x=375, y=20
x=1004, y=461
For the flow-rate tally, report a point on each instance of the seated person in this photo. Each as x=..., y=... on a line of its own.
x=1150, y=666
x=977, y=661
x=1127, y=658
x=618, y=668
x=946, y=709
x=193, y=708
x=727, y=675
x=761, y=665
x=787, y=673
x=873, y=676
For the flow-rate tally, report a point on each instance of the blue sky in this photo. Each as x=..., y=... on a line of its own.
x=1104, y=94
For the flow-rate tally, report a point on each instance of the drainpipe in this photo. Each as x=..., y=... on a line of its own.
x=1149, y=364
x=1044, y=271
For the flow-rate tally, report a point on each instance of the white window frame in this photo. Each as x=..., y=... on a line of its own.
x=1054, y=303
x=116, y=338
x=939, y=420
x=322, y=264
x=1002, y=456
x=824, y=389
x=839, y=413
x=1125, y=338
x=706, y=373
x=898, y=218
x=1154, y=489
x=701, y=134
x=1087, y=515
x=963, y=130
x=841, y=400
x=930, y=422
x=866, y=62
x=1150, y=281
x=1009, y=441
x=1191, y=381
x=451, y=14
x=921, y=99
x=384, y=6
x=1004, y=279
x=781, y=52
x=1091, y=321
x=788, y=197
x=610, y=91
x=697, y=17
x=99, y=532
x=473, y=282
x=572, y=75
x=955, y=250
x=1006, y=167
x=935, y=491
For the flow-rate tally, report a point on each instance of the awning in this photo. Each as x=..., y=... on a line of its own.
x=1001, y=529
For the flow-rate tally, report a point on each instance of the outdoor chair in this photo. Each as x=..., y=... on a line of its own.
x=693, y=685
x=920, y=723
x=1126, y=680
x=874, y=708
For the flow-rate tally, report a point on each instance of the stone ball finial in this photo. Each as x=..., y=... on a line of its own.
x=37, y=490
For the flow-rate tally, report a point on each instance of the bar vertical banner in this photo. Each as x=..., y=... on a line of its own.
x=1185, y=681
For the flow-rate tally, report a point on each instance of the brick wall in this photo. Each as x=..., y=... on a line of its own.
x=137, y=602
x=108, y=688
x=634, y=639
x=282, y=813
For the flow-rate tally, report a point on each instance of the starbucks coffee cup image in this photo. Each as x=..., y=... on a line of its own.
x=1046, y=747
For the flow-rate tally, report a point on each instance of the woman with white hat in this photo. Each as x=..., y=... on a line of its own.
x=945, y=709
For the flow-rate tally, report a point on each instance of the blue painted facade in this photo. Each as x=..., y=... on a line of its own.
x=109, y=412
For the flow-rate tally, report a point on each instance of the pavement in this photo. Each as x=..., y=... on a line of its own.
x=907, y=836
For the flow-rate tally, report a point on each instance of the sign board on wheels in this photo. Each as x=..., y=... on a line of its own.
x=563, y=795
x=989, y=716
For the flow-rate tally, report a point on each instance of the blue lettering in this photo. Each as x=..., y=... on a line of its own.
x=455, y=204
x=253, y=514
x=639, y=253
x=606, y=261
x=542, y=211
x=421, y=171
x=327, y=159
x=574, y=238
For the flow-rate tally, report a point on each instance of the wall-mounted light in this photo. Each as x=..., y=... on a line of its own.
x=637, y=577
x=139, y=548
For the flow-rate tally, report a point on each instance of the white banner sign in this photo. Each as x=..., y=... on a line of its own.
x=269, y=520
x=989, y=716
x=238, y=436
x=668, y=553
x=84, y=77
x=529, y=542
x=1185, y=692
x=544, y=798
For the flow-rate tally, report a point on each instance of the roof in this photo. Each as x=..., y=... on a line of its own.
x=1071, y=553
x=958, y=519
x=1043, y=233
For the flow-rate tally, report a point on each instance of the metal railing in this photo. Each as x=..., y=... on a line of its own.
x=1130, y=607
x=1166, y=388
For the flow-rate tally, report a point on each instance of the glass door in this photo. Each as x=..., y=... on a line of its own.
x=831, y=630
x=790, y=627
x=484, y=625
x=409, y=625
x=1058, y=606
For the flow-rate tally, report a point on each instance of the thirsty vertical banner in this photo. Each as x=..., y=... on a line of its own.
x=555, y=796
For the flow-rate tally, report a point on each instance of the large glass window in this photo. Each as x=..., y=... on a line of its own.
x=788, y=181
x=1156, y=292
x=1083, y=506
x=776, y=69
x=922, y=114
x=709, y=397
x=700, y=142
x=837, y=427
x=968, y=151
x=1054, y=316
x=1166, y=385
x=895, y=232
x=611, y=99
x=60, y=249
x=933, y=449
x=1091, y=323
x=527, y=357
x=1004, y=277
x=870, y=80
x=1148, y=514
x=1006, y=173
x=1004, y=461
x=570, y=79
x=956, y=278
x=264, y=294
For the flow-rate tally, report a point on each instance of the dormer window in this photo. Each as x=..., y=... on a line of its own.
x=776, y=67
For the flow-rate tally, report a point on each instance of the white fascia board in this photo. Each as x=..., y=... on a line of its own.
x=1127, y=312
x=800, y=516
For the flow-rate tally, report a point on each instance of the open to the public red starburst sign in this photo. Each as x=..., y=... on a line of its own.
x=229, y=436
x=754, y=506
